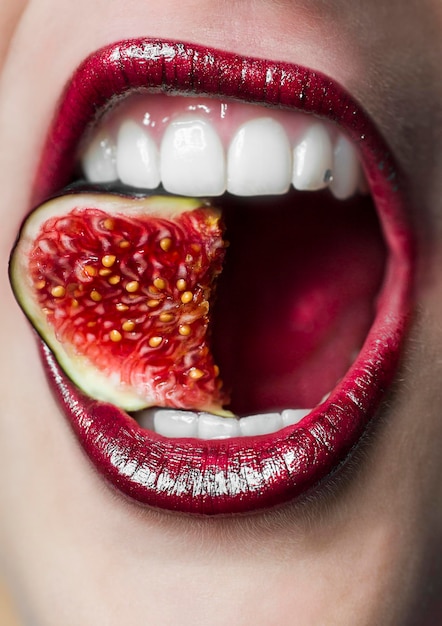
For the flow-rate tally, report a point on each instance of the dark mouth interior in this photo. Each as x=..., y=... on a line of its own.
x=296, y=298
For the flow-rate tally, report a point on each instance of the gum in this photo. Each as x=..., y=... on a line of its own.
x=156, y=111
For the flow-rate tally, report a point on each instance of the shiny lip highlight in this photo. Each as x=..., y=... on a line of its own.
x=248, y=474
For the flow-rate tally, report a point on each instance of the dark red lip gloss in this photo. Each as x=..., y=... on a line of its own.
x=247, y=474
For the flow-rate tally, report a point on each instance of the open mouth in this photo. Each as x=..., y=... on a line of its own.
x=270, y=354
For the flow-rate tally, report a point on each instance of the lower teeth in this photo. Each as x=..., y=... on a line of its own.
x=175, y=423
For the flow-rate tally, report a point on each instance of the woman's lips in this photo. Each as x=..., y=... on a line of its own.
x=236, y=475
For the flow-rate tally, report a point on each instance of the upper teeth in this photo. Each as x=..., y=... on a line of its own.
x=193, y=154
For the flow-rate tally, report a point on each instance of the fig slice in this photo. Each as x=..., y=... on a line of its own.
x=120, y=289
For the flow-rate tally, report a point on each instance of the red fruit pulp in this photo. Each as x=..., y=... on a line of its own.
x=132, y=294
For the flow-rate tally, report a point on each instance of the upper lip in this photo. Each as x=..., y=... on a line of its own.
x=234, y=475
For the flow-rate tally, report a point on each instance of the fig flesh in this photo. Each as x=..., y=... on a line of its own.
x=120, y=290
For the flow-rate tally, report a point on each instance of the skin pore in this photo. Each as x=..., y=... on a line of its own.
x=367, y=550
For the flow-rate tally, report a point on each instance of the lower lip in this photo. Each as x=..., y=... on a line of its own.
x=247, y=474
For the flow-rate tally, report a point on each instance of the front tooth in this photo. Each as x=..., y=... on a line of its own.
x=170, y=423
x=259, y=160
x=99, y=160
x=216, y=427
x=145, y=418
x=293, y=416
x=192, y=158
x=313, y=159
x=346, y=169
x=261, y=424
x=137, y=157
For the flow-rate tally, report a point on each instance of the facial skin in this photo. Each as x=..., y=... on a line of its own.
x=367, y=551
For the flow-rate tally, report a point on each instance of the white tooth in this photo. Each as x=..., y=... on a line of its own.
x=313, y=159
x=261, y=424
x=346, y=169
x=192, y=158
x=99, y=160
x=216, y=427
x=259, y=160
x=137, y=157
x=145, y=419
x=170, y=423
x=293, y=416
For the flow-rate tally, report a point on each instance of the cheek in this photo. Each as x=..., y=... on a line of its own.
x=9, y=17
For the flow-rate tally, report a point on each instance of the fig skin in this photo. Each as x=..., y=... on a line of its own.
x=120, y=290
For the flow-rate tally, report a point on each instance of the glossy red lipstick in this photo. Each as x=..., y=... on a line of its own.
x=235, y=475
